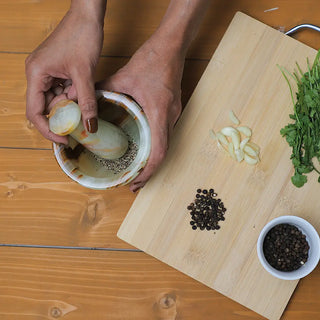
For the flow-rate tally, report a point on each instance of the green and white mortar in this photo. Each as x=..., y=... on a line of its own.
x=125, y=113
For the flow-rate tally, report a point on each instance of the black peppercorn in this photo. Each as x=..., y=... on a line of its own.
x=285, y=247
x=206, y=211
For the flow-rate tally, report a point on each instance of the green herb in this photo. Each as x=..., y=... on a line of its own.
x=303, y=135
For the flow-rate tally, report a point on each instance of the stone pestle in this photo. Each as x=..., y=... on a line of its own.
x=109, y=142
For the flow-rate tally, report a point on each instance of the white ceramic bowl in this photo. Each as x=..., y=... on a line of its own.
x=311, y=236
x=124, y=112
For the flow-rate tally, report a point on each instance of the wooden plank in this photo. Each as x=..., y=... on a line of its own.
x=16, y=131
x=25, y=24
x=128, y=24
x=72, y=284
x=109, y=285
x=307, y=290
x=241, y=76
x=40, y=205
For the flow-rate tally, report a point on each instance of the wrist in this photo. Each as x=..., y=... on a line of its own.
x=174, y=44
x=165, y=46
x=93, y=10
x=181, y=22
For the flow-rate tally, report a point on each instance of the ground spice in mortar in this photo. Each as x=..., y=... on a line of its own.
x=206, y=210
x=285, y=247
x=122, y=163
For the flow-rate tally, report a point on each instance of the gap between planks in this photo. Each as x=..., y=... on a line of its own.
x=25, y=148
x=33, y=246
x=101, y=56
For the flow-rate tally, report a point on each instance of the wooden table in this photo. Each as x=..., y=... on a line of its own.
x=41, y=208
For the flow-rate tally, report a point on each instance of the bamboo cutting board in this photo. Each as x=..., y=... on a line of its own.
x=242, y=75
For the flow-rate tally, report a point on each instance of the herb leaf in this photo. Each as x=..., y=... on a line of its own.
x=299, y=180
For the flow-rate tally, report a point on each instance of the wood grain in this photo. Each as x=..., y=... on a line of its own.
x=243, y=66
x=71, y=284
x=16, y=131
x=46, y=283
x=40, y=205
x=129, y=23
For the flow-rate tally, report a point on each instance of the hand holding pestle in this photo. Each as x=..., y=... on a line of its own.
x=109, y=142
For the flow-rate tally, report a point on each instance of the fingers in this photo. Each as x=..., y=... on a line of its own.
x=58, y=91
x=35, y=108
x=49, y=96
x=159, y=146
x=83, y=86
x=55, y=100
x=41, y=123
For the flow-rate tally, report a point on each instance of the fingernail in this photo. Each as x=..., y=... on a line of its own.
x=92, y=125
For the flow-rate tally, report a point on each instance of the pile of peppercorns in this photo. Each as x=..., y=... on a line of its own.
x=285, y=247
x=206, y=210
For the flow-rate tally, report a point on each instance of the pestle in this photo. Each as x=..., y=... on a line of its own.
x=109, y=142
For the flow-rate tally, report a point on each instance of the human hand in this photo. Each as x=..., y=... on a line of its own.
x=153, y=78
x=67, y=57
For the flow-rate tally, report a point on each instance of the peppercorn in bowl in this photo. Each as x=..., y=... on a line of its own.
x=288, y=247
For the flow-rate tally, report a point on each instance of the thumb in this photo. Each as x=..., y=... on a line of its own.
x=109, y=83
x=87, y=101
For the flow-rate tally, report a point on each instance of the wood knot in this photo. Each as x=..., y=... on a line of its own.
x=22, y=187
x=168, y=301
x=9, y=193
x=55, y=312
x=166, y=307
x=93, y=213
x=11, y=177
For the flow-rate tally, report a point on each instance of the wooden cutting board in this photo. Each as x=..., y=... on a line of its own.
x=242, y=75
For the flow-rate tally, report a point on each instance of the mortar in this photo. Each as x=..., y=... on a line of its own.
x=125, y=113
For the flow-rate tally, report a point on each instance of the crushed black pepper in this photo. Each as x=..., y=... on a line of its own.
x=206, y=210
x=285, y=247
x=121, y=164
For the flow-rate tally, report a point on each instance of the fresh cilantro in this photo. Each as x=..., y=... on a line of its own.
x=303, y=135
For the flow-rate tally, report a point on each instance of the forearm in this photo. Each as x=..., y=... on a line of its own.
x=181, y=22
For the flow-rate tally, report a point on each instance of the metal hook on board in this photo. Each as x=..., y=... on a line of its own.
x=302, y=26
